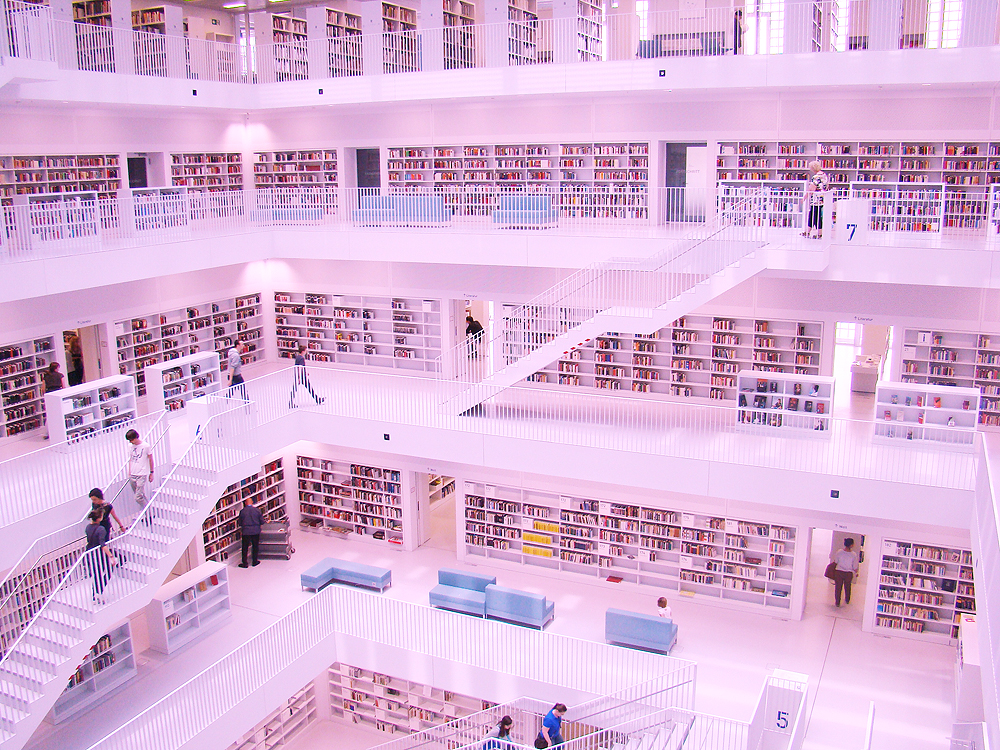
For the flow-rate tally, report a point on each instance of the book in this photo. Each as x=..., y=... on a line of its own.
x=920, y=400
x=887, y=416
x=894, y=399
x=793, y=404
x=776, y=404
x=937, y=402
x=820, y=407
x=809, y=406
x=614, y=579
x=797, y=389
x=920, y=418
x=965, y=405
x=761, y=386
x=814, y=391
x=909, y=401
x=773, y=386
x=743, y=400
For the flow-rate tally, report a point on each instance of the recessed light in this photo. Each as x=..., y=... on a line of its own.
x=230, y=6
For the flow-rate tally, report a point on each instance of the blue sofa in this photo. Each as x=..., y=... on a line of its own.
x=332, y=570
x=522, y=210
x=459, y=591
x=405, y=209
x=519, y=607
x=635, y=630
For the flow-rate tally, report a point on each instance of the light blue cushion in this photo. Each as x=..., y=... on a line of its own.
x=465, y=580
x=456, y=599
x=519, y=607
x=637, y=630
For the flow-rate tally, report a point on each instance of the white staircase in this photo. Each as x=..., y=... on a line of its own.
x=36, y=667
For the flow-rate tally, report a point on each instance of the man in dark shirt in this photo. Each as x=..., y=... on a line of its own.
x=473, y=334
x=301, y=378
x=250, y=521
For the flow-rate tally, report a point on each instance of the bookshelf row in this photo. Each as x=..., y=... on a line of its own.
x=396, y=332
x=311, y=168
x=161, y=337
x=266, y=491
x=283, y=724
x=188, y=607
x=698, y=356
x=737, y=561
x=923, y=590
x=108, y=664
x=211, y=172
x=41, y=175
x=76, y=412
x=350, y=500
x=935, y=413
x=22, y=364
x=789, y=402
x=965, y=359
x=170, y=385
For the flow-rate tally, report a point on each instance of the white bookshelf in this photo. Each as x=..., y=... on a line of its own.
x=266, y=490
x=58, y=173
x=170, y=385
x=397, y=332
x=459, y=18
x=283, y=724
x=350, y=500
x=22, y=364
x=108, y=664
x=904, y=207
x=735, y=562
x=306, y=168
x=439, y=487
x=400, y=44
x=783, y=200
x=162, y=337
x=923, y=589
x=76, y=412
x=792, y=403
x=207, y=172
x=698, y=357
x=392, y=704
x=926, y=413
x=189, y=606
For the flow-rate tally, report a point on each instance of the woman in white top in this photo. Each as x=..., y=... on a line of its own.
x=847, y=565
x=816, y=189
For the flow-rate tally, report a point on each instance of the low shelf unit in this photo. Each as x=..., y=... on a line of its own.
x=393, y=704
x=941, y=414
x=76, y=412
x=170, y=385
x=283, y=724
x=733, y=561
x=397, y=332
x=351, y=499
x=22, y=364
x=266, y=490
x=188, y=607
x=923, y=589
x=791, y=403
x=108, y=664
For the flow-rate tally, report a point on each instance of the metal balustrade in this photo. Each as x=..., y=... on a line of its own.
x=986, y=554
x=761, y=27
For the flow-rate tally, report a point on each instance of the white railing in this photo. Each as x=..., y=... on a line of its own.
x=762, y=27
x=341, y=612
x=986, y=553
x=49, y=477
x=623, y=423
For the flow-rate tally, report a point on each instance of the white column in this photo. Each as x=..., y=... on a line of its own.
x=565, y=42
x=496, y=33
x=371, y=28
x=319, y=58
x=430, y=25
x=124, y=47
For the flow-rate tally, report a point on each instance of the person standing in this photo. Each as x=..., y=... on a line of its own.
x=97, y=502
x=663, y=608
x=140, y=470
x=473, y=335
x=551, y=733
x=816, y=189
x=101, y=562
x=76, y=358
x=300, y=377
x=738, y=32
x=847, y=566
x=52, y=380
x=251, y=520
x=235, y=366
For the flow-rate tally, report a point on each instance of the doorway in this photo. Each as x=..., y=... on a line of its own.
x=369, y=168
x=436, y=495
x=685, y=181
x=820, y=590
x=83, y=354
x=860, y=361
x=137, y=171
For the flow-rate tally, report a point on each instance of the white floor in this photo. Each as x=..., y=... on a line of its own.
x=910, y=682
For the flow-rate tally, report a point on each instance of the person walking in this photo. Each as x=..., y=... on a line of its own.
x=499, y=736
x=235, y=366
x=816, y=190
x=251, y=520
x=140, y=470
x=97, y=502
x=300, y=377
x=847, y=566
x=473, y=335
x=99, y=563
x=551, y=733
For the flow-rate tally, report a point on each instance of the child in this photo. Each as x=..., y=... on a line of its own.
x=663, y=609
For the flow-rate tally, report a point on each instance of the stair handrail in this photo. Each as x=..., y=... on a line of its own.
x=24, y=573
x=588, y=291
x=88, y=559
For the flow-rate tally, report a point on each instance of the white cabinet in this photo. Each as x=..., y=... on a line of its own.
x=109, y=663
x=938, y=413
x=786, y=402
x=188, y=607
x=87, y=408
x=170, y=385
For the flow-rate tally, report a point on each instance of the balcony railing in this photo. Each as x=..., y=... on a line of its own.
x=762, y=27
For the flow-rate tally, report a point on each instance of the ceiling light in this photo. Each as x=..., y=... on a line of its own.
x=230, y=6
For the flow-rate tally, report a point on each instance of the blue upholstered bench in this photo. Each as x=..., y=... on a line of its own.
x=332, y=570
x=460, y=591
x=645, y=632
x=520, y=607
x=407, y=209
x=522, y=210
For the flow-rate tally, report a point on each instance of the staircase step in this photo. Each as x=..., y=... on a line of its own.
x=18, y=696
x=64, y=621
x=52, y=639
x=10, y=716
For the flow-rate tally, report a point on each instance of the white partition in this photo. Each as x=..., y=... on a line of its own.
x=171, y=384
x=921, y=413
x=87, y=408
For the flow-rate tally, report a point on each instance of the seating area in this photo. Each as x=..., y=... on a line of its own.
x=332, y=570
x=401, y=210
x=459, y=591
x=525, y=211
x=639, y=631
x=518, y=607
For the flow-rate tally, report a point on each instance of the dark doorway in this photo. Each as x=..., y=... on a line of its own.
x=137, y=172
x=369, y=168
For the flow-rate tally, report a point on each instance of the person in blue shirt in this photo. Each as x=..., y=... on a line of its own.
x=551, y=733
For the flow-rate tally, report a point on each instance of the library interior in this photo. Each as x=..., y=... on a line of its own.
x=641, y=356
